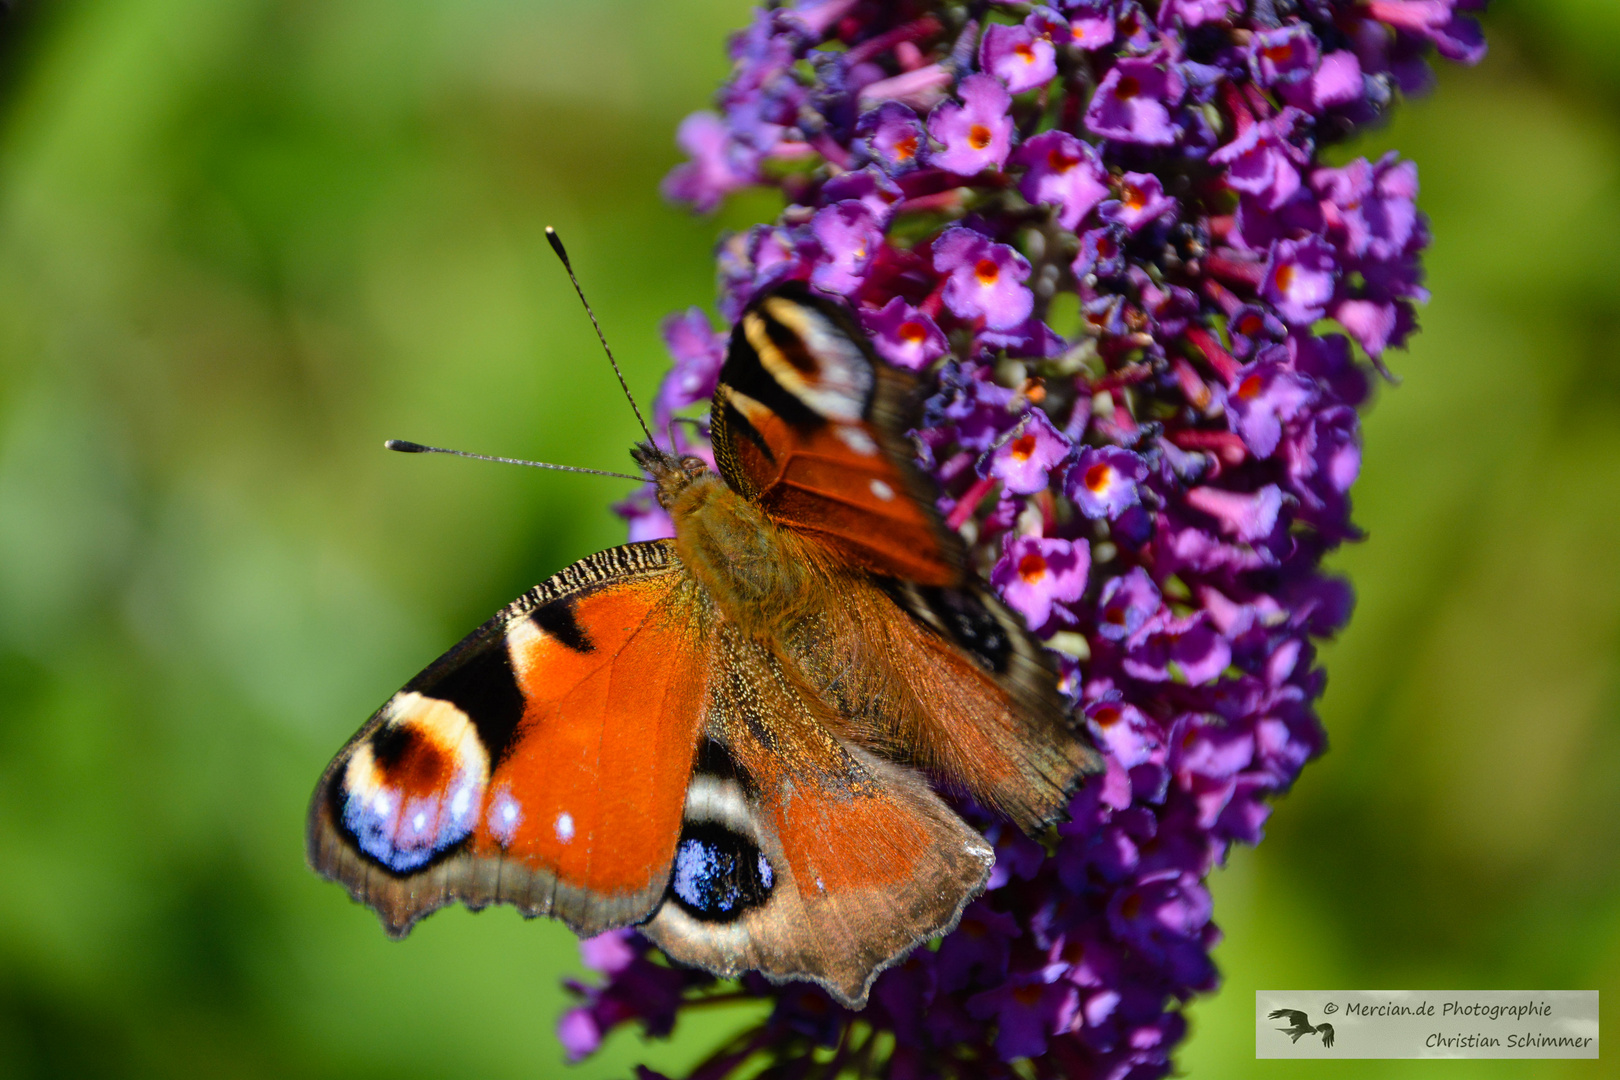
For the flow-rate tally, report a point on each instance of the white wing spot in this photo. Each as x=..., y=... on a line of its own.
x=565, y=827
x=419, y=822
x=819, y=886
x=882, y=490
x=857, y=440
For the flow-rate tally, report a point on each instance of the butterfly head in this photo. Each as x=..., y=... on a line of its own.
x=670, y=472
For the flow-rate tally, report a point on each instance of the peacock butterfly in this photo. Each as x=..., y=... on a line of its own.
x=722, y=738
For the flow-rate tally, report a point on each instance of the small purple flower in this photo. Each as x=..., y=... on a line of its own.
x=986, y=279
x=698, y=353
x=1123, y=731
x=1288, y=54
x=1184, y=650
x=849, y=238
x=1247, y=517
x=1337, y=81
x=714, y=171
x=1266, y=396
x=1024, y=462
x=1025, y=1009
x=1103, y=482
x=1261, y=161
x=1091, y=24
x=1128, y=604
x=1141, y=201
x=1036, y=572
x=977, y=133
x=904, y=336
x=1102, y=252
x=1252, y=327
x=893, y=136
x=1021, y=56
x=1132, y=103
x=1299, y=279
x=1197, y=12
x=1063, y=172
x=868, y=186
x=578, y=1033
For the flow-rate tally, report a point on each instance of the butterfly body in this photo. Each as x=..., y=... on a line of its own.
x=723, y=737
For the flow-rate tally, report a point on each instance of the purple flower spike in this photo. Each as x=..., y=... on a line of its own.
x=1141, y=201
x=1103, y=482
x=1205, y=435
x=1035, y=572
x=1132, y=103
x=977, y=133
x=1024, y=462
x=1020, y=56
x=849, y=237
x=986, y=279
x=893, y=136
x=1063, y=172
x=904, y=336
x=1299, y=279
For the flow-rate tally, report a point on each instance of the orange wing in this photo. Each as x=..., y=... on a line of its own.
x=808, y=424
x=542, y=762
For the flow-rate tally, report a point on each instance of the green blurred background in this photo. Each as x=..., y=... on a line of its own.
x=244, y=241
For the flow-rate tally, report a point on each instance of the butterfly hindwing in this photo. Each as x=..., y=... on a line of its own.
x=803, y=855
x=542, y=762
x=808, y=424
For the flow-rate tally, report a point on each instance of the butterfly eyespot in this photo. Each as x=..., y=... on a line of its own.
x=719, y=873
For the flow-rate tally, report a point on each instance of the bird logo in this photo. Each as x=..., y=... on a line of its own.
x=1300, y=1024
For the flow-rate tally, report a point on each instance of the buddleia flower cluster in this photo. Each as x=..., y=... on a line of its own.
x=1104, y=235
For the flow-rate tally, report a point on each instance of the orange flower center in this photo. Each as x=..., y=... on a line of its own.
x=1278, y=54
x=1023, y=447
x=986, y=271
x=1128, y=87
x=978, y=136
x=905, y=147
x=1030, y=995
x=1135, y=197
x=1249, y=388
x=1099, y=476
x=1114, y=615
x=1025, y=52
x=1059, y=162
x=1285, y=277
x=1250, y=324
x=1108, y=715
x=912, y=333
x=1032, y=568
x=1132, y=907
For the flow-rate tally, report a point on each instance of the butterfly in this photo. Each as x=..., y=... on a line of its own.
x=725, y=739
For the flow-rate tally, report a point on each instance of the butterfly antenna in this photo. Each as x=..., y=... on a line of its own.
x=406, y=447
x=562, y=254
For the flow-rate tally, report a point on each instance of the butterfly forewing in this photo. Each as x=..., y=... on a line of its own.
x=811, y=427
x=542, y=762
